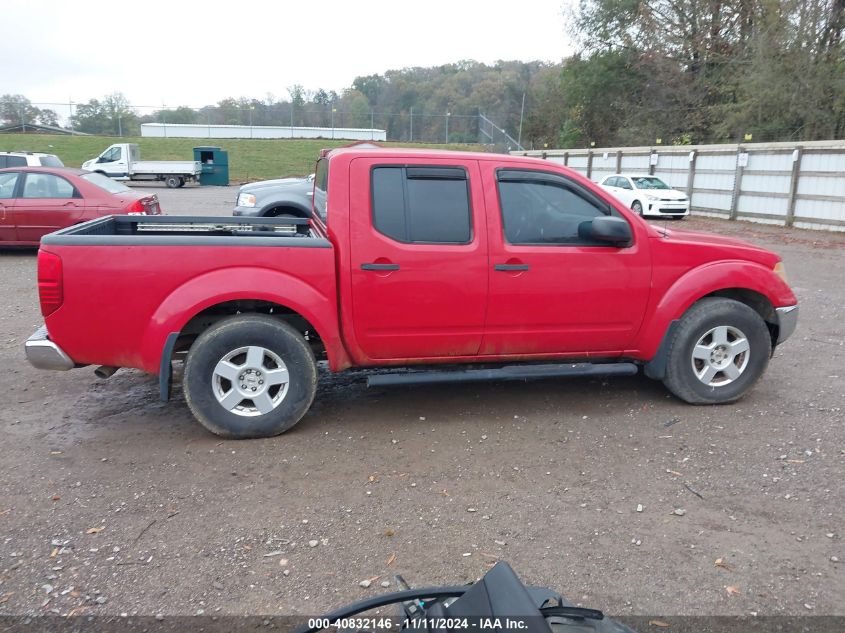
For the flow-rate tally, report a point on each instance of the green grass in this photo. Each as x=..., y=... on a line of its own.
x=249, y=159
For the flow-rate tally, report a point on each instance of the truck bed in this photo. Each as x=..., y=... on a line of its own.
x=138, y=230
x=155, y=167
x=129, y=282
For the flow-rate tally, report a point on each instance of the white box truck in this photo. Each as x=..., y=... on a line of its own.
x=121, y=161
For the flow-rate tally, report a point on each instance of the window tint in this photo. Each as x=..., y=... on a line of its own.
x=544, y=210
x=3, y=162
x=7, y=185
x=623, y=182
x=428, y=205
x=47, y=186
x=15, y=161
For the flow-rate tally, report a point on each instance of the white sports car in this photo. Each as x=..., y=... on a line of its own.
x=647, y=195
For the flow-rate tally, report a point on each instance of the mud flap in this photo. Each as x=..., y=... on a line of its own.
x=165, y=373
x=656, y=367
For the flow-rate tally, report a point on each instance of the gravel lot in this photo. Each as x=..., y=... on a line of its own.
x=113, y=502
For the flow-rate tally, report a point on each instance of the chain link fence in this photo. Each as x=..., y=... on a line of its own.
x=409, y=126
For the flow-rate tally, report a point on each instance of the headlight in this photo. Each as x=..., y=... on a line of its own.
x=246, y=200
x=780, y=271
x=648, y=196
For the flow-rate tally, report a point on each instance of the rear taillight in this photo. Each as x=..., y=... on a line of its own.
x=49, y=282
x=137, y=207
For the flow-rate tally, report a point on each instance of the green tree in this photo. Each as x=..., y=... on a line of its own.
x=17, y=110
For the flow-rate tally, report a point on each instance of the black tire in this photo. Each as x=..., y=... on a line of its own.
x=172, y=182
x=637, y=207
x=704, y=317
x=204, y=387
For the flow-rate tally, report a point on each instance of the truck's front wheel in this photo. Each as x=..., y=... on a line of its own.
x=250, y=376
x=719, y=350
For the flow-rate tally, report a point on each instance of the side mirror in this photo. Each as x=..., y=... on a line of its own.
x=606, y=228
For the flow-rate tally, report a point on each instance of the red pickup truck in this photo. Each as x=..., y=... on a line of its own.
x=446, y=266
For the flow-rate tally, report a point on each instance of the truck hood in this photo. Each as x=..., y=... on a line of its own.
x=280, y=182
x=743, y=249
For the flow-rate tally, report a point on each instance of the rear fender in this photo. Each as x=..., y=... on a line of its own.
x=243, y=283
x=705, y=280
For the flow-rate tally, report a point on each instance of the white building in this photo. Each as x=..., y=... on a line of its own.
x=179, y=130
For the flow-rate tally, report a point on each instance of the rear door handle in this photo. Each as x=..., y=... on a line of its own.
x=509, y=267
x=379, y=266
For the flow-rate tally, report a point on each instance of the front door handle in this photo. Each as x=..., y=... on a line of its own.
x=379, y=266
x=511, y=267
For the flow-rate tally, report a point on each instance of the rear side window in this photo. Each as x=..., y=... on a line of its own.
x=422, y=205
x=13, y=161
x=47, y=186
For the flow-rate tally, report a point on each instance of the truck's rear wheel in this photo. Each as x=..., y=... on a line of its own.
x=172, y=181
x=719, y=350
x=250, y=376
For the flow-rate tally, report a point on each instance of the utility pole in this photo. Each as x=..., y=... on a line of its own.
x=119, y=125
x=372, y=125
x=448, y=114
x=411, y=139
x=521, y=116
x=333, y=111
x=251, y=108
x=70, y=113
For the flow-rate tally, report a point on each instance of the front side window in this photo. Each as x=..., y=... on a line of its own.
x=111, y=155
x=544, y=209
x=47, y=186
x=422, y=205
x=623, y=183
x=7, y=185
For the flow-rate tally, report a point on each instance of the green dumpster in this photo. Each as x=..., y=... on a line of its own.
x=215, y=165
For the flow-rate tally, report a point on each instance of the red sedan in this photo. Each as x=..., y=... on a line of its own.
x=35, y=201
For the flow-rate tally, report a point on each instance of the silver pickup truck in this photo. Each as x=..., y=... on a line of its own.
x=274, y=198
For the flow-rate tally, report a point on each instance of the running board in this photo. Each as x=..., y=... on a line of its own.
x=509, y=372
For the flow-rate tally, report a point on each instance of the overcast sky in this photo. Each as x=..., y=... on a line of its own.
x=196, y=53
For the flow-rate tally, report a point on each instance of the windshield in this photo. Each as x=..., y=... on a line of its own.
x=649, y=182
x=106, y=183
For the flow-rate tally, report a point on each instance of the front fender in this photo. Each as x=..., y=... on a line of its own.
x=301, y=204
x=244, y=282
x=705, y=280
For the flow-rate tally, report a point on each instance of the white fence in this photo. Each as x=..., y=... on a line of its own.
x=179, y=130
x=791, y=184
